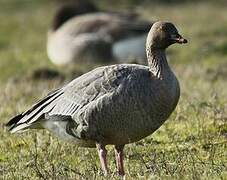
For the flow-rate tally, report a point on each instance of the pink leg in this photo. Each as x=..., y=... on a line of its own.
x=102, y=156
x=119, y=159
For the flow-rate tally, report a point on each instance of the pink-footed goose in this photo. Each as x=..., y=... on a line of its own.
x=116, y=104
x=82, y=33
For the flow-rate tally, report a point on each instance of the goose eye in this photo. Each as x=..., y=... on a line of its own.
x=174, y=36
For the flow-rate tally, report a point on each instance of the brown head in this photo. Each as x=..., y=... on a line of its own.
x=72, y=9
x=163, y=34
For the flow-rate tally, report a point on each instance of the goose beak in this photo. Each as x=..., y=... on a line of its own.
x=178, y=39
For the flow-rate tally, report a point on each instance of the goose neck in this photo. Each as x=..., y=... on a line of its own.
x=157, y=63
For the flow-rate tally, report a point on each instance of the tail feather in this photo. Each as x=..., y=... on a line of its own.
x=36, y=112
x=18, y=127
x=14, y=120
x=39, y=103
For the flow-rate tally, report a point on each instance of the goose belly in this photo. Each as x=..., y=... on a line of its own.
x=136, y=113
x=58, y=128
x=136, y=126
x=129, y=122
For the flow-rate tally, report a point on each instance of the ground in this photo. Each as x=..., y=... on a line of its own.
x=192, y=144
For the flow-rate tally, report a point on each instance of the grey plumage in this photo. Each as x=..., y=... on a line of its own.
x=117, y=104
x=100, y=101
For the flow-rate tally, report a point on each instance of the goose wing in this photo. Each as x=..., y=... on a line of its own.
x=69, y=99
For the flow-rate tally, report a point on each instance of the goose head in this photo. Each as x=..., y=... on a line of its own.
x=162, y=35
x=72, y=9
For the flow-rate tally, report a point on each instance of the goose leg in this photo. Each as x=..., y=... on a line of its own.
x=102, y=156
x=119, y=159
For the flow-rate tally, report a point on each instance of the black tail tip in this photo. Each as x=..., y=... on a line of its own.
x=14, y=120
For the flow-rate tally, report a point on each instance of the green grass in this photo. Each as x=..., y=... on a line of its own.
x=192, y=144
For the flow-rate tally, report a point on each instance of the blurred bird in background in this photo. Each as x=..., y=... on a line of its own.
x=80, y=32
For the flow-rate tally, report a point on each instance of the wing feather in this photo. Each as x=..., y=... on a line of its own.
x=71, y=98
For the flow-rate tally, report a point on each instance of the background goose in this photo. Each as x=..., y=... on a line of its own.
x=80, y=32
x=117, y=104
